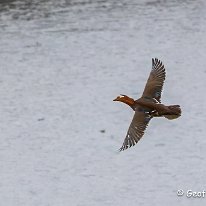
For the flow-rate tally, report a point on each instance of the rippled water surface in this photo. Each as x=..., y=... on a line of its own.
x=62, y=63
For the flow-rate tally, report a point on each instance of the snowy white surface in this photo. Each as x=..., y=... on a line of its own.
x=62, y=64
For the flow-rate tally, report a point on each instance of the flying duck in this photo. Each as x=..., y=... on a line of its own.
x=148, y=105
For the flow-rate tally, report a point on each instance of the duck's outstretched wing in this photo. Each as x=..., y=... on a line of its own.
x=153, y=87
x=136, y=128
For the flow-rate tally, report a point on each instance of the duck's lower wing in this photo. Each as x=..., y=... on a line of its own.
x=136, y=129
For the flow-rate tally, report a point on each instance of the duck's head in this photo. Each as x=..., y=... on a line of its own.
x=125, y=99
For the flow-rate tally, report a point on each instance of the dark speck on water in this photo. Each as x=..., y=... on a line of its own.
x=41, y=119
x=102, y=130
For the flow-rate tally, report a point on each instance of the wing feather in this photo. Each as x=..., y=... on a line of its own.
x=136, y=129
x=154, y=85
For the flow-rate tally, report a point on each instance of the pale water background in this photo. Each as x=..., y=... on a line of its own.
x=61, y=64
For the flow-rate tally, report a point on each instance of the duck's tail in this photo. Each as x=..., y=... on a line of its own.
x=175, y=112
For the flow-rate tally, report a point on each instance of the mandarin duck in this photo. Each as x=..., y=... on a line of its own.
x=148, y=105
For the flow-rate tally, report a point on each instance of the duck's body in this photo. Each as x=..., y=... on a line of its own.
x=148, y=106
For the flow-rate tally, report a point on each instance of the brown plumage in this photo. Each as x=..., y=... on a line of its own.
x=148, y=106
